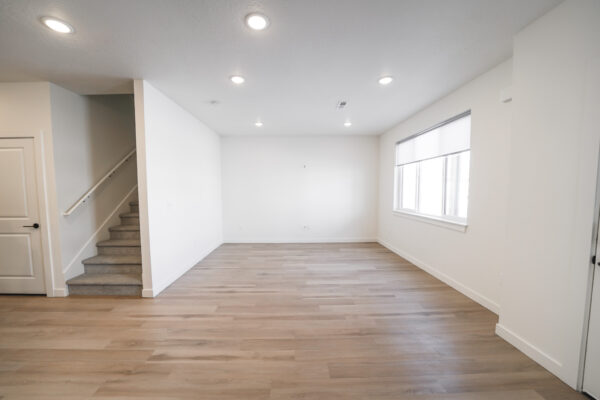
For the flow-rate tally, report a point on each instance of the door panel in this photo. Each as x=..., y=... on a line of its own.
x=13, y=197
x=15, y=257
x=21, y=267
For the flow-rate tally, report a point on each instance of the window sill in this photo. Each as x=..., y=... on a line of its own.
x=455, y=226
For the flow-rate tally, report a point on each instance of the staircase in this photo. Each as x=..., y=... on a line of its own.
x=117, y=269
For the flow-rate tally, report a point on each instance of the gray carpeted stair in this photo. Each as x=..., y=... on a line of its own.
x=117, y=269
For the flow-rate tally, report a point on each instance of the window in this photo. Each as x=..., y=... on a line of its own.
x=432, y=171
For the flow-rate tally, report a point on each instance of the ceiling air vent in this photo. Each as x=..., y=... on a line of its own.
x=341, y=104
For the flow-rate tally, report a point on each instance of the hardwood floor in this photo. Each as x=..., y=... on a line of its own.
x=290, y=321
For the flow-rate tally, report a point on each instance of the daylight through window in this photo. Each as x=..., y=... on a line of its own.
x=432, y=171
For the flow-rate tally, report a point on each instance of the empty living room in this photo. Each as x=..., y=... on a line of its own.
x=300, y=199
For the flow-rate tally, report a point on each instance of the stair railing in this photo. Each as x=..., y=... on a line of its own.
x=107, y=176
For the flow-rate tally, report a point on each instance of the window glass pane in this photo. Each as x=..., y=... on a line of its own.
x=431, y=185
x=409, y=186
x=457, y=185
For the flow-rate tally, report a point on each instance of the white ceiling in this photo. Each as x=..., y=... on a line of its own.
x=314, y=53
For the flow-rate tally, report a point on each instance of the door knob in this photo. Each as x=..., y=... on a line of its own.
x=34, y=226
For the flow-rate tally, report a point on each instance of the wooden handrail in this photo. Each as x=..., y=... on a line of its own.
x=108, y=175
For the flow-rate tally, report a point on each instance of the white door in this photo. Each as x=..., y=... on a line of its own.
x=21, y=268
x=591, y=377
x=590, y=120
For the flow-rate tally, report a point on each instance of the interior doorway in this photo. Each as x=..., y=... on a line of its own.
x=21, y=259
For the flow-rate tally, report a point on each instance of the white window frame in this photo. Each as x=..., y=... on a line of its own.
x=447, y=221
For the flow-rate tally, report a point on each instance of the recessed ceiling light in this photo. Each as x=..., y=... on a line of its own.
x=347, y=124
x=258, y=124
x=57, y=25
x=238, y=80
x=386, y=80
x=257, y=21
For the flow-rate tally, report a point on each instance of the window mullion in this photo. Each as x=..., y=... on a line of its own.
x=400, y=183
x=458, y=185
x=418, y=186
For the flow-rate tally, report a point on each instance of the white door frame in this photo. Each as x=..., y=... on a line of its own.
x=44, y=174
x=594, y=258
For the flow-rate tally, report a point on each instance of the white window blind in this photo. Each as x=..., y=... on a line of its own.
x=451, y=138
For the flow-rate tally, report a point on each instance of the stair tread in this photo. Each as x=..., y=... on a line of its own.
x=106, y=279
x=134, y=203
x=113, y=259
x=130, y=214
x=119, y=243
x=124, y=228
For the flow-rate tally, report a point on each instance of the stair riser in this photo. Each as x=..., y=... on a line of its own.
x=125, y=235
x=130, y=220
x=113, y=269
x=105, y=290
x=134, y=209
x=118, y=250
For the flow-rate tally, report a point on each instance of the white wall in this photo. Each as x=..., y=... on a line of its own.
x=470, y=261
x=526, y=252
x=554, y=143
x=300, y=189
x=179, y=164
x=91, y=134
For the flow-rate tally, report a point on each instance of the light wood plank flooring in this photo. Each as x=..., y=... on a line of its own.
x=250, y=322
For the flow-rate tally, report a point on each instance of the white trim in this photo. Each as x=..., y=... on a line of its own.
x=442, y=222
x=140, y=140
x=148, y=293
x=90, y=244
x=531, y=351
x=64, y=292
x=470, y=293
x=300, y=240
x=55, y=282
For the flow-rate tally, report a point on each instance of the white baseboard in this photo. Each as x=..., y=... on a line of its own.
x=147, y=292
x=59, y=292
x=75, y=267
x=537, y=355
x=470, y=293
x=300, y=240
